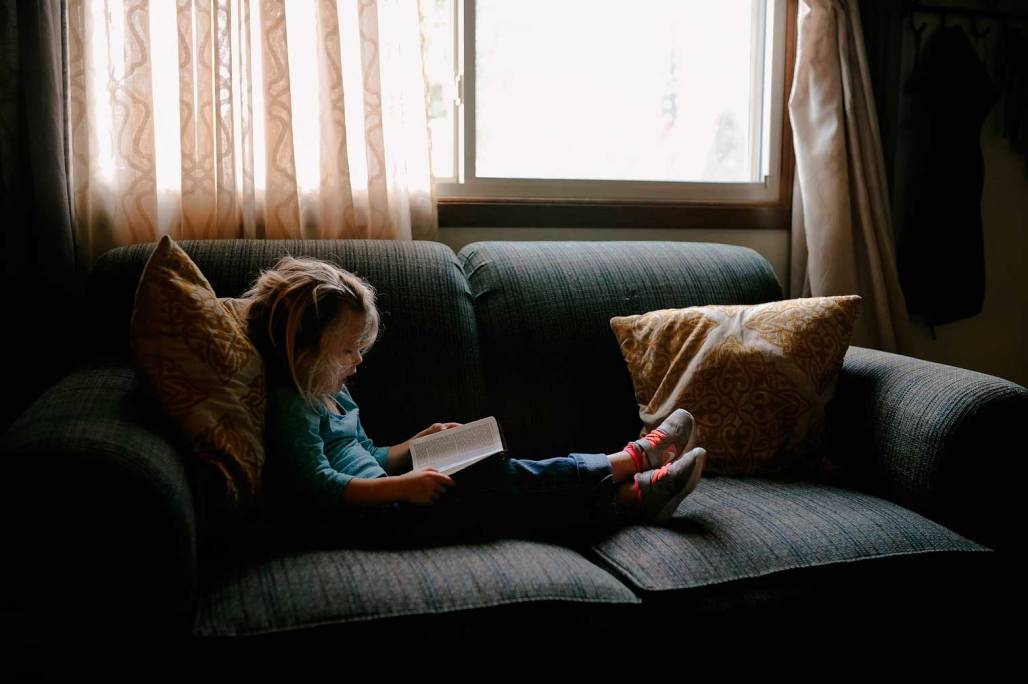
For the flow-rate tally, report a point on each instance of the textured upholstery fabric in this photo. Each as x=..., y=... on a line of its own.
x=756, y=378
x=940, y=440
x=287, y=591
x=204, y=371
x=94, y=473
x=428, y=337
x=557, y=381
x=733, y=528
x=788, y=561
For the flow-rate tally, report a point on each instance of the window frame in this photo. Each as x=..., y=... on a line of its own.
x=496, y=203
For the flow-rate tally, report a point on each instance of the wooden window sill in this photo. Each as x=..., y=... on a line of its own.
x=538, y=213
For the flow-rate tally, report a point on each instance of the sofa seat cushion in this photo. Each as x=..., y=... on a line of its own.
x=742, y=546
x=363, y=587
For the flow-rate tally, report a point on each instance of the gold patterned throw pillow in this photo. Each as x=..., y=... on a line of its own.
x=208, y=376
x=756, y=378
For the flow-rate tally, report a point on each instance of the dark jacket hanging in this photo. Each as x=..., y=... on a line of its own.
x=940, y=255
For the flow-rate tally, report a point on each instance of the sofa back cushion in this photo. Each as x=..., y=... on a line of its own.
x=556, y=378
x=425, y=367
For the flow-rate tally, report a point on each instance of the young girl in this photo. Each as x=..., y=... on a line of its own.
x=313, y=322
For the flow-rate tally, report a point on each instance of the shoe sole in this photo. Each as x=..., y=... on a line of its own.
x=668, y=511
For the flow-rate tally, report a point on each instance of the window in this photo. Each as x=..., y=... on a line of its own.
x=599, y=100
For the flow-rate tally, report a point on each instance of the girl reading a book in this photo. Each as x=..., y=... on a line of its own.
x=313, y=322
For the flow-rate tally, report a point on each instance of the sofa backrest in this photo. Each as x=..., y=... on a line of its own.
x=519, y=330
x=426, y=365
x=556, y=379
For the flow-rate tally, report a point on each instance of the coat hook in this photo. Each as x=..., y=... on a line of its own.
x=918, y=30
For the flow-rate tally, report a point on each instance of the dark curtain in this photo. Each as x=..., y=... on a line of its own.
x=41, y=288
x=882, y=23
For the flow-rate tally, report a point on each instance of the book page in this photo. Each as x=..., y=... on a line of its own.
x=456, y=448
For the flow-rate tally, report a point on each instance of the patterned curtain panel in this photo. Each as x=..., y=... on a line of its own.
x=265, y=119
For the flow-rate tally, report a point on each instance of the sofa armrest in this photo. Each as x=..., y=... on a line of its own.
x=98, y=510
x=943, y=441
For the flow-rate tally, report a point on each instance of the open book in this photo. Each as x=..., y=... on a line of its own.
x=456, y=448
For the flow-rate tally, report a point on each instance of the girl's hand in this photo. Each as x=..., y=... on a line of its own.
x=423, y=486
x=436, y=427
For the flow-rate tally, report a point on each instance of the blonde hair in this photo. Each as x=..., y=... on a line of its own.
x=291, y=308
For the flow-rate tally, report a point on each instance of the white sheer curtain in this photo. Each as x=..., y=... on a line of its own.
x=247, y=118
x=842, y=239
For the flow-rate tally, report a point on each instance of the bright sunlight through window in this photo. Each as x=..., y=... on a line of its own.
x=656, y=91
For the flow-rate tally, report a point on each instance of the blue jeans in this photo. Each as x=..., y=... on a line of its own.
x=502, y=497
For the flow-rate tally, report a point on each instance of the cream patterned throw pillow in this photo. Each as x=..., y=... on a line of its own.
x=756, y=378
x=194, y=350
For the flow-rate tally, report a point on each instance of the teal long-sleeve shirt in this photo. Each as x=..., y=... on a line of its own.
x=315, y=454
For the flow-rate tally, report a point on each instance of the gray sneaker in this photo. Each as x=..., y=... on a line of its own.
x=661, y=490
x=667, y=443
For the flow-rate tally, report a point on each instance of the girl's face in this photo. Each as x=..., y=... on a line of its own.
x=343, y=346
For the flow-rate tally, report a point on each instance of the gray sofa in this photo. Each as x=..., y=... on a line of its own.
x=112, y=542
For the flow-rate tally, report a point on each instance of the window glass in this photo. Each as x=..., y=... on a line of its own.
x=651, y=90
